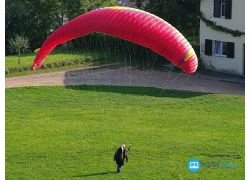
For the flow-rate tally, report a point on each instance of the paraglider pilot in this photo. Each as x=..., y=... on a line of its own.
x=120, y=156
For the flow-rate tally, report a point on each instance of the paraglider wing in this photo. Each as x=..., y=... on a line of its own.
x=130, y=24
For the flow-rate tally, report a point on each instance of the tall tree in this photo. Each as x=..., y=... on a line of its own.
x=183, y=14
x=35, y=19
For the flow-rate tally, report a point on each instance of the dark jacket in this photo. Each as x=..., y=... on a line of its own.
x=120, y=156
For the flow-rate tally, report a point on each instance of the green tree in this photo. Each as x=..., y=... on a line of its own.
x=18, y=44
x=32, y=18
x=100, y=3
x=183, y=14
x=36, y=19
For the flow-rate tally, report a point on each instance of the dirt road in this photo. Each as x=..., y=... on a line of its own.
x=129, y=76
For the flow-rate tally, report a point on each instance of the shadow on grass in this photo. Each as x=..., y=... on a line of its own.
x=96, y=174
x=97, y=80
x=140, y=91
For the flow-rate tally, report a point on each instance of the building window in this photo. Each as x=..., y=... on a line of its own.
x=223, y=5
x=223, y=9
x=219, y=48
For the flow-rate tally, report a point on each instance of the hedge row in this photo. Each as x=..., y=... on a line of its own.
x=54, y=64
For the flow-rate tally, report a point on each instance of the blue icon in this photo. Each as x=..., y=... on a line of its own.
x=194, y=165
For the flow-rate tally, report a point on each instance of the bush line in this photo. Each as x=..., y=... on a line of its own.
x=54, y=64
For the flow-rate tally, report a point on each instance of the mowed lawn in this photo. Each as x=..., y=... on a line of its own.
x=91, y=57
x=27, y=59
x=72, y=132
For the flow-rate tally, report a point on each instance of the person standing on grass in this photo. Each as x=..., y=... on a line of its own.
x=120, y=156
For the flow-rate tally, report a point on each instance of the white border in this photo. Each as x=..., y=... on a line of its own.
x=247, y=89
x=2, y=90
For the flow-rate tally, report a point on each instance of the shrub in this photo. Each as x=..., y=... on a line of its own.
x=55, y=64
x=44, y=66
x=48, y=65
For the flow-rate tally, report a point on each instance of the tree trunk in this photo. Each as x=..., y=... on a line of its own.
x=62, y=14
x=19, y=53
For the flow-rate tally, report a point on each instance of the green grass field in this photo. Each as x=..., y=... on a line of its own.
x=93, y=58
x=71, y=132
x=27, y=60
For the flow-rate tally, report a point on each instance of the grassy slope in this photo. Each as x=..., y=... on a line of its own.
x=49, y=70
x=66, y=132
x=27, y=60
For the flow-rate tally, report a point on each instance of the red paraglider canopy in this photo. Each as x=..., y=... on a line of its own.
x=131, y=24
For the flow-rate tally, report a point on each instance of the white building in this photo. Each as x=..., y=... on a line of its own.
x=222, y=36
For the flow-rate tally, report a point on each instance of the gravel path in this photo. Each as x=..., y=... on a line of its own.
x=128, y=76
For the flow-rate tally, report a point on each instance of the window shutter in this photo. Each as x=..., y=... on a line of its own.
x=208, y=47
x=230, y=50
x=217, y=8
x=228, y=11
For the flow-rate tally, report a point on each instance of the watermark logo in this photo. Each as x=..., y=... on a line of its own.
x=194, y=165
x=226, y=165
